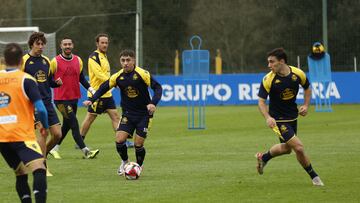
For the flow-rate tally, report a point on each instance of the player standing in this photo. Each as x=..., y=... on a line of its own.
x=18, y=96
x=38, y=66
x=282, y=86
x=99, y=72
x=137, y=106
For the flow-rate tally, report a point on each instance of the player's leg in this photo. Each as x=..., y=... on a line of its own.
x=275, y=150
x=124, y=130
x=30, y=154
x=55, y=128
x=109, y=105
x=142, y=128
x=69, y=113
x=40, y=138
x=296, y=144
x=114, y=116
x=31, y=157
x=13, y=160
x=72, y=121
x=140, y=151
x=121, y=148
x=93, y=111
x=55, y=132
x=86, y=124
x=64, y=131
x=65, y=127
x=39, y=180
x=22, y=184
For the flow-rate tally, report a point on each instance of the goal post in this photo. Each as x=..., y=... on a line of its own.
x=21, y=35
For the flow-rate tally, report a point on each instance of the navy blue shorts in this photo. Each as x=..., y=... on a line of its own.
x=16, y=152
x=287, y=130
x=140, y=124
x=52, y=116
x=101, y=105
x=66, y=107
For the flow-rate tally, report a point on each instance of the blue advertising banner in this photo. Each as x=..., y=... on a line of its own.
x=238, y=89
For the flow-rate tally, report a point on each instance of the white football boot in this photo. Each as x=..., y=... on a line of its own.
x=121, y=169
x=317, y=181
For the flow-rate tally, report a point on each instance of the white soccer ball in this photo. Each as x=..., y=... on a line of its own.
x=132, y=171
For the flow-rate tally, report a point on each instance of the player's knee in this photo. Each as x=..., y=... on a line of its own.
x=57, y=136
x=299, y=149
x=287, y=150
x=89, y=119
x=20, y=171
x=120, y=138
x=115, y=117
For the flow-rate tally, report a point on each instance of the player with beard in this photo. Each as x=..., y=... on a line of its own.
x=69, y=68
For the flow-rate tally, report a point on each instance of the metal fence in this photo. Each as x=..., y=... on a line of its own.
x=243, y=30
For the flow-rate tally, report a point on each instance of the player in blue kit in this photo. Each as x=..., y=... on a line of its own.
x=282, y=86
x=137, y=106
x=38, y=66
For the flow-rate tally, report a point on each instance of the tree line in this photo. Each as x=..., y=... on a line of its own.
x=243, y=30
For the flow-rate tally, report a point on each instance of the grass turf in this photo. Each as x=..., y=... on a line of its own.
x=212, y=165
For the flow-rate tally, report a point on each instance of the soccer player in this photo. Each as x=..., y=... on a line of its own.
x=99, y=72
x=281, y=84
x=68, y=67
x=137, y=106
x=38, y=66
x=18, y=96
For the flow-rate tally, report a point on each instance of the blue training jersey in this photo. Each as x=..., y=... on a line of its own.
x=39, y=68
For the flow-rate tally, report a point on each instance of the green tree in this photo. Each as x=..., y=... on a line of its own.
x=242, y=30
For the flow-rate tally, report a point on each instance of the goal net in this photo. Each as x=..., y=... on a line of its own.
x=21, y=35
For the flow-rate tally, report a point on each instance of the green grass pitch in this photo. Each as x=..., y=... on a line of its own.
x=212, y=165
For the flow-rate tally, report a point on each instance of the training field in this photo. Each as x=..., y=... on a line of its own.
x=212, y=165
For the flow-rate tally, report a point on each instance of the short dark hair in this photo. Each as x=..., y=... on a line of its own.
x=127, y=52
x=36, y=36
x=66, y=37
x=101, y=35
x=13, y=54
x=279, y=53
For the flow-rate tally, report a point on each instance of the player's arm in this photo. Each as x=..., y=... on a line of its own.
x=83, y=80
x=263, y=108
x=156, y=87
x=157, y=91
x=85, y=83
x=104, y=87
x=303, y=110
x=32, y=92
x=96, y=69
x=53, y=82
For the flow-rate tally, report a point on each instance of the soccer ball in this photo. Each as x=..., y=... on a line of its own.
x=132, y=171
